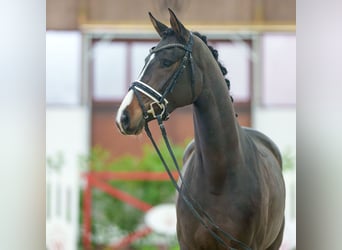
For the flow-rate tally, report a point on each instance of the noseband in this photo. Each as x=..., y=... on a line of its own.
x=158, y=99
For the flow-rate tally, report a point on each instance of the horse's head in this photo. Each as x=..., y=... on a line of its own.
x=167, y=81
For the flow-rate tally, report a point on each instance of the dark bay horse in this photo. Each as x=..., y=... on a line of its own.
x=233, y=174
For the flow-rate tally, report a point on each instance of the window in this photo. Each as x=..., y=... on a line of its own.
x=118, y=63
x=235, y=56
x=139, y=52
x=279, y=69
x=63, y=67
x=110, y=70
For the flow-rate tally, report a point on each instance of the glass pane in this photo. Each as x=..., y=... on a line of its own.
x=58, y=199
x=68, y=204
x=63, y=67
x=236, y=58
x=279, y=69
x=140, y=51
x=110, y=70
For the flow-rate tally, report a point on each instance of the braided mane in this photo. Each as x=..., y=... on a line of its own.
x=214, y=52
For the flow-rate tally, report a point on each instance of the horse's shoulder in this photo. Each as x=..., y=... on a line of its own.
x=260, y=138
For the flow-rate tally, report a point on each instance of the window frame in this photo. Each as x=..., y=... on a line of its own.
x=243, y=106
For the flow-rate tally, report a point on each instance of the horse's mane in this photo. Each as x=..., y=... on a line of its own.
x=215, y=53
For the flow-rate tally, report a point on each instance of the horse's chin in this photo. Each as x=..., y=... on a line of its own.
x=132, y=130
x=138, y=131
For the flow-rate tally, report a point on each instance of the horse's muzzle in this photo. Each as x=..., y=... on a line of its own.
x=127, y=126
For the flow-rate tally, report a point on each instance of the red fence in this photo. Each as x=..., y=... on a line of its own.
x=100, y=180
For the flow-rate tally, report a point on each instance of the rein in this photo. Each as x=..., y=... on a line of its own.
x=160, y=101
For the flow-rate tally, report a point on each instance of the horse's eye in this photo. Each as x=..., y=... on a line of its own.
x=166, y=63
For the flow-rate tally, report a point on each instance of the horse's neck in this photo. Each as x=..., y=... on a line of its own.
x=216, y=132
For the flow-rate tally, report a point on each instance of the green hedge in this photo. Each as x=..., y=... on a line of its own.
x=108, y=212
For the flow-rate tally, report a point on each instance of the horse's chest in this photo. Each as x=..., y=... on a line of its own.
x=203, y=240
x=195, y=235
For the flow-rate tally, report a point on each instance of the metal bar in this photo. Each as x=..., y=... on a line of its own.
x=134, y=176
x=132, y=237
x=96, y=179
x=117, y=193
x=146, y=30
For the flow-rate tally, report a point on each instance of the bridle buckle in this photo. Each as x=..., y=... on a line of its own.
x=160, y=105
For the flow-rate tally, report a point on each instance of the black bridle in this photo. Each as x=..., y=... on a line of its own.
x=159, y=99
x=161, y=102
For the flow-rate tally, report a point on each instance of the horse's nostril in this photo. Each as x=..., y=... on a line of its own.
x=125, y=119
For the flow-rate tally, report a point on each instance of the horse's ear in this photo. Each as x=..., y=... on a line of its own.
x=178, y=27
x=160, y=27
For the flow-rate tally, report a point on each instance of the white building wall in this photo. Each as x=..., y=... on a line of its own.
x=279, y=124
x=67, y=139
